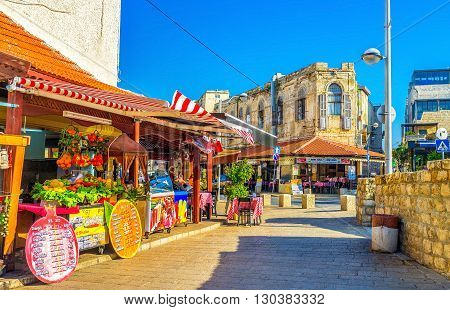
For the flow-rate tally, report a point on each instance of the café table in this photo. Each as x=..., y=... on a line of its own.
x=255, y=205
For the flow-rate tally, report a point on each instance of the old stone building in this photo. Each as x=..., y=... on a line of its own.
x=313, y=101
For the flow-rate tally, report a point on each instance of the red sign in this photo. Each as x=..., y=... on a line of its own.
x=51, y=248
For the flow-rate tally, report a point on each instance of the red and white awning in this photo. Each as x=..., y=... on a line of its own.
x=185, y=105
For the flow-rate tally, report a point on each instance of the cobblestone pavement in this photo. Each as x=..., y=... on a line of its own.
x=319, y=248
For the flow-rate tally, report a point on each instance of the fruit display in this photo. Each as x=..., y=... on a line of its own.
x=85, y=190
x=65, y=161
x=97, y=161
x=81, y=160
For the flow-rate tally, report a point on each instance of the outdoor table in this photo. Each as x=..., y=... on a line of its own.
x=256, y=205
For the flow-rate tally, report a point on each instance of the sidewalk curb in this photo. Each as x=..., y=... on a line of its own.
x=28, y=278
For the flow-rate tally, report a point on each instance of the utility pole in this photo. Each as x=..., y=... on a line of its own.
x=388, y=90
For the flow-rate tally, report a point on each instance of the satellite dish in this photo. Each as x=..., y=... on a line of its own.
x=381, y=114
x=441, y=133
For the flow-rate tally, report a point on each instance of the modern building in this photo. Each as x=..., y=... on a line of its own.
x=318, y=109
x=211, y=99
x=429, y=97
x=427, y=109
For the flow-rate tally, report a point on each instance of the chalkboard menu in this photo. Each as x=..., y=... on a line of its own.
x=51, y=249
x=125, y=229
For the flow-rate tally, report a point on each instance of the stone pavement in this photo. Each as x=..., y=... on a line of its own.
x=318, y=248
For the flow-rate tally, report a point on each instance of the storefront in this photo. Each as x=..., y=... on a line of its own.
x=316, y=163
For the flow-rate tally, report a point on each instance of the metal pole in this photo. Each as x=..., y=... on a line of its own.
x=368, y=158
x=220, y=166
x=388, y=90
x=274, y=175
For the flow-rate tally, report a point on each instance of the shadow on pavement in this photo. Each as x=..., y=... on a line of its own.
x=263, y=262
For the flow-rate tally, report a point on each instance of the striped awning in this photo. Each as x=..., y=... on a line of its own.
x=129, y=104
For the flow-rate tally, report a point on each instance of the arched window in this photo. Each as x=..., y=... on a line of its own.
x=247, y=116
x=241, y=114
x=261, y=114
x=334, y=99
x=279, y=114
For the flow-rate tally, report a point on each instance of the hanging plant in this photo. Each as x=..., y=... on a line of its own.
x=70, y=140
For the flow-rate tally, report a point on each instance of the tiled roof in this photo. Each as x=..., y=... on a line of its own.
x=17, y=42
x=316, y=146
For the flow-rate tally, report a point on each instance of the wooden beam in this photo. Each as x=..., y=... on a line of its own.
x=14, y=116
x=209, y=171
x=196, y=188
x=137, y=129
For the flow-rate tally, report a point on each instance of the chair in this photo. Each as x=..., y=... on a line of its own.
x=245, y=214
x=214, y=204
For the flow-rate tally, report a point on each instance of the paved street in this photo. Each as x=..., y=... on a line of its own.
x=293, y=249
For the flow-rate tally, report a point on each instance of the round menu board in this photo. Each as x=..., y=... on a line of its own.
x=125, y=229
x=51, y=249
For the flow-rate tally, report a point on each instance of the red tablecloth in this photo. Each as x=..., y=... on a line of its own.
x=256, y=204
x=205, y=199
x=39, y=210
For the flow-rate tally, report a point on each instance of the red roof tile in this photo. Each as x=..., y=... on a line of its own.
x=16, y=41
x=309, y=147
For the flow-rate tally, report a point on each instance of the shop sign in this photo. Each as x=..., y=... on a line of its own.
x=297, y=188
x=89, y=226
x=253, y=162
x=125, y=230
x=323, y=160
x=51, y=248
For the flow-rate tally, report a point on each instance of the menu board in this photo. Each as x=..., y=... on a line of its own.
x=51, y=249
x=125, y=229
x=89, y=226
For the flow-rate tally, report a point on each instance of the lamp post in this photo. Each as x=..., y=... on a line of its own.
x=373, y=56
x=242, y=95
x=369, y=136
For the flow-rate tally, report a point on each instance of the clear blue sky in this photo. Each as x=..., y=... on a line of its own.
x=262, y=37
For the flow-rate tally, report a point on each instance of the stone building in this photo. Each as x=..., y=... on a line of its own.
x=62, y=24
x=313, y=101
x=320, y=116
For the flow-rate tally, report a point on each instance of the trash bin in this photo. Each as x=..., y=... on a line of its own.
x=384, y=233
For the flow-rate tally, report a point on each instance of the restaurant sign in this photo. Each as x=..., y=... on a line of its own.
x=323, y=160
x=125, y=230
x=89, y=226
x=51, y=248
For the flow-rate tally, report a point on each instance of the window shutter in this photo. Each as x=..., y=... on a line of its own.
x=322, y=112
x=347, y=112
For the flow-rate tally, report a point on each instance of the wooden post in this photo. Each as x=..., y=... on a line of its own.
x=196, y=187
x=137, y=127
x=14, y=116
x=209, y=171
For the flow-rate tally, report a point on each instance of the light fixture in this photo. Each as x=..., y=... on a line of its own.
x=371, y=56
x=87, y=118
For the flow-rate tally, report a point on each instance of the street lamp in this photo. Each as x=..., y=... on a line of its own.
x=242, y=95
x=369, y=136
x=373, y=56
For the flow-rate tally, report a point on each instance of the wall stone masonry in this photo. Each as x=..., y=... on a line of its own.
x=422, y=201
x=365, y=201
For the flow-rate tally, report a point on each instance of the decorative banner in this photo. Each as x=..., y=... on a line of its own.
x=125, y=229
x=51, y=248
x=89, y=226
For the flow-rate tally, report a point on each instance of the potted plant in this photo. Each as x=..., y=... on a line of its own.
x=238, y=173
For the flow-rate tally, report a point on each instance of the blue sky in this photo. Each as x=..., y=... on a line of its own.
x=263, y=37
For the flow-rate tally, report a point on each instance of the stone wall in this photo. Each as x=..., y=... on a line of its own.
x=422, y=202
x=365, y=201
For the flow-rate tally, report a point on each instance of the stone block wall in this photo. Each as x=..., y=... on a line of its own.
x=365, y=201
x=422, y=201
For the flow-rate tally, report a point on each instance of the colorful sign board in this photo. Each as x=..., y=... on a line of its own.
x=323, y=160
x=51, y=248
x=89, y=226
x=351, y=173
x=125, y=230
x=297, y=188
x=160, y=213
